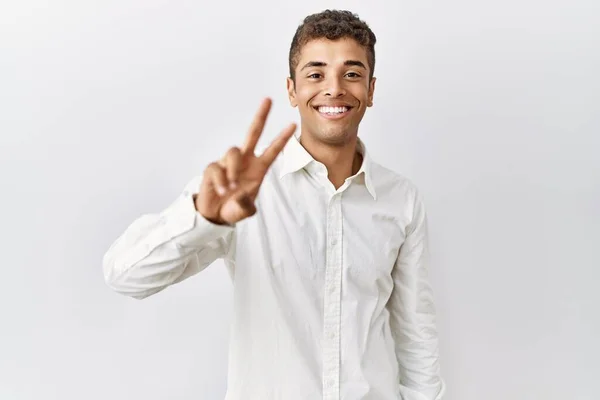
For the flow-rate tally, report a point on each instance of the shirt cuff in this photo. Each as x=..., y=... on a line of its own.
x=184, y=223
x=434, y=393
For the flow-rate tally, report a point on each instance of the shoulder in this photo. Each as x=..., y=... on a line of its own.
x=394, y=183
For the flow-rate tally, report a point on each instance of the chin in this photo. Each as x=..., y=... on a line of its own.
x=335, y=136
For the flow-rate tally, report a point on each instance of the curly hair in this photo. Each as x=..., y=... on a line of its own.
x=332, y=25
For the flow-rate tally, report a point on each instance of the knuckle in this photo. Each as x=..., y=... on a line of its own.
x=233, y=151
x=210, y=170
x=214, y=166
x=215, y=170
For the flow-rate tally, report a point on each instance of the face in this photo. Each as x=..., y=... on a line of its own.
x=332, y=90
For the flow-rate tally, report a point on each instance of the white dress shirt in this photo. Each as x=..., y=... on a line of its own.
x=331, y=293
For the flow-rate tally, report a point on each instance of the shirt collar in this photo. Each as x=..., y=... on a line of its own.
x=295, y=158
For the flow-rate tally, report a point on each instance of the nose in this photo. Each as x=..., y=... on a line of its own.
x=334, y=88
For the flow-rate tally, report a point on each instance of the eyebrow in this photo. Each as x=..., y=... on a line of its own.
x=347, y=63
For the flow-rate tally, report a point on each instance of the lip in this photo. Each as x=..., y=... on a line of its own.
x=334, y=116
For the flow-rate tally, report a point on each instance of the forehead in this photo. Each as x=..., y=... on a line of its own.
x=332, y=51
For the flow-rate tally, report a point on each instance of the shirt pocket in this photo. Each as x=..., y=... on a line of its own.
x=372, y=246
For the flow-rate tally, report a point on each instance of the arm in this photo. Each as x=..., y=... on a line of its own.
x=158, y=250
x=412, y=313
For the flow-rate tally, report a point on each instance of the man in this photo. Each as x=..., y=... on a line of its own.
x=327, y=250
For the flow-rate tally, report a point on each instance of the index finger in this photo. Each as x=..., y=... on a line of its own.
x=277, y=145
x=257, y=126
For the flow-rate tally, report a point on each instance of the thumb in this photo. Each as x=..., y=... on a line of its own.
x=238, y=207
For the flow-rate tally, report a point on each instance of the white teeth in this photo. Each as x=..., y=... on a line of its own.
x=332, y=110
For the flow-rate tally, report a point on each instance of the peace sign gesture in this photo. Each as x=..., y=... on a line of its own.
x=229, y=187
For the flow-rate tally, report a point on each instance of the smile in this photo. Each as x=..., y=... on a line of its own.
x=333, y=112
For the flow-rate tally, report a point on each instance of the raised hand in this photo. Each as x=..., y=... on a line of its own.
x=229, y=187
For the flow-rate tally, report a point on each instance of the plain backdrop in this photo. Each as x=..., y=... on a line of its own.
x=108, y=108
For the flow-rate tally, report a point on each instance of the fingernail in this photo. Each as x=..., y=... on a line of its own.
x=220, y=190
x=232, y=185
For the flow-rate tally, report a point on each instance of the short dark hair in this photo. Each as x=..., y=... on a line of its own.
x=332, y=25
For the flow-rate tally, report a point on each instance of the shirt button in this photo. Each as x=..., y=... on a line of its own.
x=333, y=242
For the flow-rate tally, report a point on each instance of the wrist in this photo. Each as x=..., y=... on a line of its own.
x=200, y=210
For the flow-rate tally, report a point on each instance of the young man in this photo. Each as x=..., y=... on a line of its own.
x=327, y=250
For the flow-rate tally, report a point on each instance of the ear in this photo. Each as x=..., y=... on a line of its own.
x=291, y=92
x=371, y=91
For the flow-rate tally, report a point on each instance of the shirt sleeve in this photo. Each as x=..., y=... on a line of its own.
x=160, y=249
x=413, y=315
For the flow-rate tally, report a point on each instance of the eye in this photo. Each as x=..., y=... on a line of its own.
x=314, y=76
x=352, y=75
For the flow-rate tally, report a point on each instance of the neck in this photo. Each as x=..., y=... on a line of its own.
x=342, y=161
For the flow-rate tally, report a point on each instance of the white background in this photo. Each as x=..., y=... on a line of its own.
x=108, y=108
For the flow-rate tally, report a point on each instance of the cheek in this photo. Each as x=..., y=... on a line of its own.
x=304, y=94
x=306, y=90
x=361, y=93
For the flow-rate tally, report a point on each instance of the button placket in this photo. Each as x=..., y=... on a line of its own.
x=332, y=301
